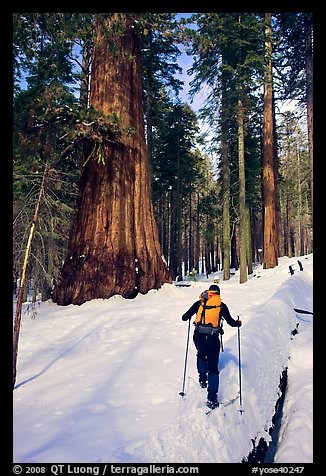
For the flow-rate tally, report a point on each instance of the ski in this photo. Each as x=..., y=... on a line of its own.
x=223, y=405
x=211, y=410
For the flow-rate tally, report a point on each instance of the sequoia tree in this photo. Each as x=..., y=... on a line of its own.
x=270, y=227
x=114, y=246
x=309, y=96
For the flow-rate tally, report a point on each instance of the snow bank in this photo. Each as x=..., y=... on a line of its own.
x=296, y=435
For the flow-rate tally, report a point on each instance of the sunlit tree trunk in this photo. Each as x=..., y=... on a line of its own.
x=249, y=240
x=300, y=233
x=197, y=245
x=191, y=233
x=225, y=188
x=242, y=195
x=114, y=246
x=270, y=228
x=309, y=76
x=277, y=179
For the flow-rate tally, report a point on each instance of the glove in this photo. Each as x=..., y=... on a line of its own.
x=239, y=323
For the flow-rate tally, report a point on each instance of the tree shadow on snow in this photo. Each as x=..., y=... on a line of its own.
x=58, y=357
x=226, y=356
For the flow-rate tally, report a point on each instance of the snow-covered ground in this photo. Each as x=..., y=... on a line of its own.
x=100, y=382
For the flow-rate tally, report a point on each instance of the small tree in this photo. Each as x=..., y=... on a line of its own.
x=22, y=280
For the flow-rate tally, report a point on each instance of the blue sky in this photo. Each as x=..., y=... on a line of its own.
x=185, y=61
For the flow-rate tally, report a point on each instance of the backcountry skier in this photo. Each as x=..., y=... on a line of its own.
x=209, y=310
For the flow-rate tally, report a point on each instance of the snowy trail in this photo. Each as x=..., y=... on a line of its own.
x=100, y=382
x=226, y=426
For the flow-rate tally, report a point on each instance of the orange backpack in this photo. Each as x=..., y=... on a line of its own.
x=208, y=314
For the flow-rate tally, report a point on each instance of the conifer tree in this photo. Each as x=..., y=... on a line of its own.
x=159, y=65
x=44, y=118
x=114, y=246
x=270, y=227
x=295, y=186
x=53, y=53
x=308, y=22
x=228, y=57
x=294, y=68
x=174, y=169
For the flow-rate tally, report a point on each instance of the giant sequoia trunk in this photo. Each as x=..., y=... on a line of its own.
x=114, y=246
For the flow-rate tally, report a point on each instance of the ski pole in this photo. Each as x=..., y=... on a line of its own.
x=182, y=393
x=221, y=334
x=240, y=410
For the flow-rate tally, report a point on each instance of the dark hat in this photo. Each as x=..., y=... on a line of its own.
x=214, y=287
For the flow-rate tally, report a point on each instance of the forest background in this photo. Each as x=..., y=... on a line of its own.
x=224, y=200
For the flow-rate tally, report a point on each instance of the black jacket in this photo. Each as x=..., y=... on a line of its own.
x=225, y=313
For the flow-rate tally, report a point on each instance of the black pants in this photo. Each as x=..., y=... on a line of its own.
x=208, y=350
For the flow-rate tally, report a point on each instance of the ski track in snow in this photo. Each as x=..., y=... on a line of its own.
x=100, y=382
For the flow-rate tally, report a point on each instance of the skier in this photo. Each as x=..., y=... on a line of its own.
x=209, y=310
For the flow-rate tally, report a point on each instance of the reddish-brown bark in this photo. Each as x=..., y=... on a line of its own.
x=270, y=227
x=114, y=246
